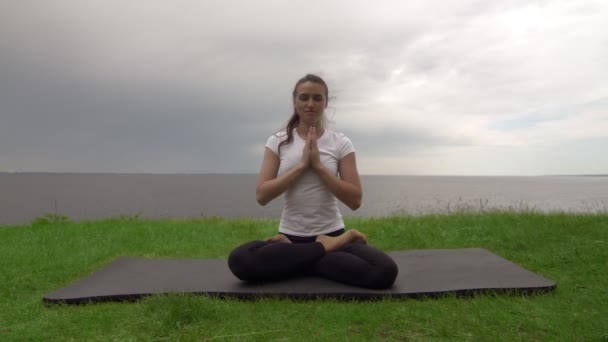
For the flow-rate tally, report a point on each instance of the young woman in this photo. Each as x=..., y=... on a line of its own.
x=314, y=167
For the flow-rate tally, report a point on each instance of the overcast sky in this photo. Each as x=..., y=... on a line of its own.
x=421, y=87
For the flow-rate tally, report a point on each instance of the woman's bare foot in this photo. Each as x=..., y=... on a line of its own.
x=333, y=243
x=278, y=238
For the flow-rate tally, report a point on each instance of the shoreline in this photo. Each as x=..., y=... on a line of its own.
x=255, y=174
x=80, y=196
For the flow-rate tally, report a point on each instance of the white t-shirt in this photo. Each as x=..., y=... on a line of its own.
x=310, y=207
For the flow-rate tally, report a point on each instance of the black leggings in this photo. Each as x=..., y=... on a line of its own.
x=355, y=263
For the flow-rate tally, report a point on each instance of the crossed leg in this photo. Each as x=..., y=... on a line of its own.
x=345, y=258
x=264, y=260
x=358, y=264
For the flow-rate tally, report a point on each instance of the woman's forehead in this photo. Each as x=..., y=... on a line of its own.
x=311, y=88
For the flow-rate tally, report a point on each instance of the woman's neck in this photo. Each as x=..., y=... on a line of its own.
x=303, y=128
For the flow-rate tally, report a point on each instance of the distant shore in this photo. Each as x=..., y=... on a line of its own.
x=90, y=196
x=246, y=174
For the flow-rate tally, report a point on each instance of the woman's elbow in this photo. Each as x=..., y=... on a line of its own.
x=261, y=199
x=355, y=204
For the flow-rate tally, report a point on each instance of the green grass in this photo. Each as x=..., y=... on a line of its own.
x=571, y=249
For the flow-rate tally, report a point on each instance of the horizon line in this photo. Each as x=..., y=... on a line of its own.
x=250, y=173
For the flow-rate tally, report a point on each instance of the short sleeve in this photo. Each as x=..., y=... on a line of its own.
x=346, y=147
x=273, y=142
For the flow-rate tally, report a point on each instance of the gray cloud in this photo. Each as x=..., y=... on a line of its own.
x=197, y=87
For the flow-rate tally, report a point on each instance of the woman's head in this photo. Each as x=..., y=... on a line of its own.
x=312, y=79
x=310, y=96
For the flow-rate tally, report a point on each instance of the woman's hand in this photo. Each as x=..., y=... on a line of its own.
x=310, y=154
x=305, y=161
x=315, y=159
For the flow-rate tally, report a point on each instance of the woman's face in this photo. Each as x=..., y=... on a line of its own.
x=310, y=102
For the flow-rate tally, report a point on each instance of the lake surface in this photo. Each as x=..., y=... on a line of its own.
x=25, y=196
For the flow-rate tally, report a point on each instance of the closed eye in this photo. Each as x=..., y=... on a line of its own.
x=315, y=97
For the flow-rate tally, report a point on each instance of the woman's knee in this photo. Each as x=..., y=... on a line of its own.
x=241, y=260
x=383, y=269
x=383, y=274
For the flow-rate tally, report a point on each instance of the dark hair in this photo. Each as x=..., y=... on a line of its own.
x=294, y=121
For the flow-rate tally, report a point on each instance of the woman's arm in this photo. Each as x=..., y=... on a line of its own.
x=269, y=186
x=347, y=188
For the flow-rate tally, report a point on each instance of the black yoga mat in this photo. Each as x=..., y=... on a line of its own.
x=421, y=273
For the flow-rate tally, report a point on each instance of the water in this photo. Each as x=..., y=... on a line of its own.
x=25, y=196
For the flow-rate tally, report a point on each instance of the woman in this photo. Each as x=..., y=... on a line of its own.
x=304, y=162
